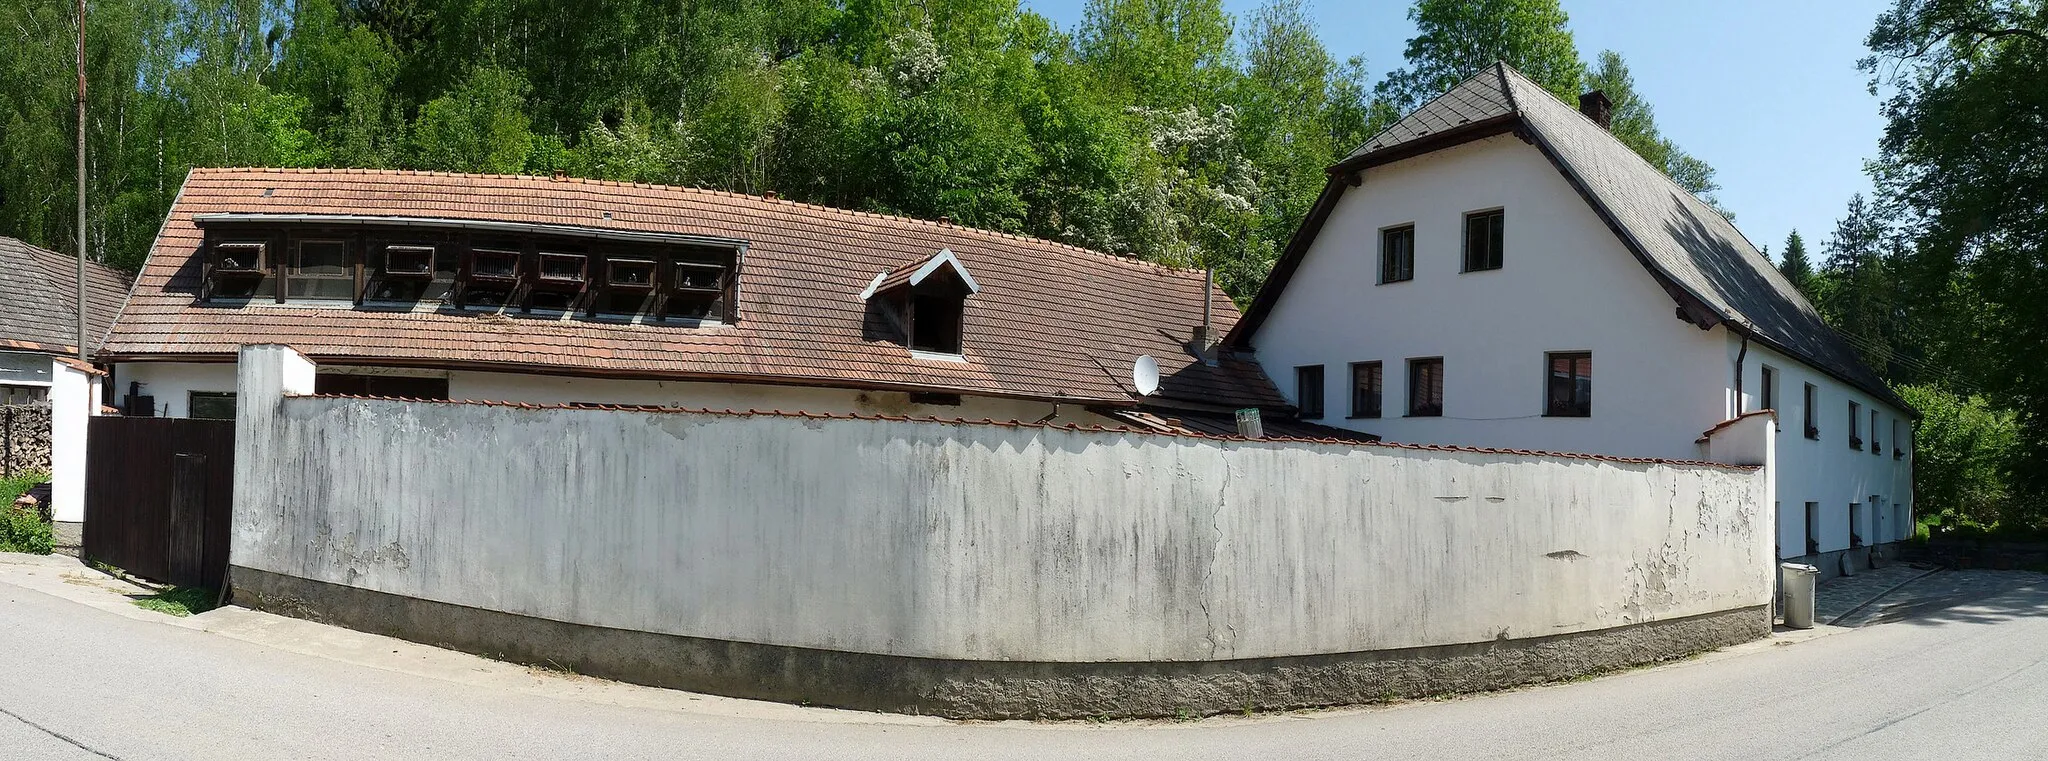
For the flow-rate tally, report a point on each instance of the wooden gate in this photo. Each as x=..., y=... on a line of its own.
x=159, y=493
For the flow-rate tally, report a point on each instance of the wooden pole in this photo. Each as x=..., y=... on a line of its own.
x=81, y=182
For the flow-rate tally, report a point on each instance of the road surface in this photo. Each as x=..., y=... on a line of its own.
x=84, y=682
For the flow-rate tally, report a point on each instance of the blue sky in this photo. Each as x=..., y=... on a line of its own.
x=1766, y=91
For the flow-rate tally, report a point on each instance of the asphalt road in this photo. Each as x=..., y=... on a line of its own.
x=78, y=682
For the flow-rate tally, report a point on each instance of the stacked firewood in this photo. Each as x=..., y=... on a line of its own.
x=24, y=439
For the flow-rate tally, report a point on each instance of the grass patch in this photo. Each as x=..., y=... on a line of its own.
x=10, y=488
x=22, y=530
x=179, y=601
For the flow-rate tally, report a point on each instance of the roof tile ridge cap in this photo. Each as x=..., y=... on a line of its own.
x=1507, y=90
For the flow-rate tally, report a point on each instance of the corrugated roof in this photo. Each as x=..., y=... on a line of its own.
x=1682, y=241
x=38, y=298
x=1045, y=314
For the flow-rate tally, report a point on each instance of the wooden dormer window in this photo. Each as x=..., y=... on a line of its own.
x=928, y=301
x=408, y=261
x=696, y=289
x=630, y=274
x=491, y=279
x=563, y=269
x=238, y=269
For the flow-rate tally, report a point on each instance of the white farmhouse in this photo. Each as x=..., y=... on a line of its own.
x=1464, y=272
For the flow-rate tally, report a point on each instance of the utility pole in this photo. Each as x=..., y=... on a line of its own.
x=81, y=182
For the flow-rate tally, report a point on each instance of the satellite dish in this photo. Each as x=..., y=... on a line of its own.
x=1145, y=374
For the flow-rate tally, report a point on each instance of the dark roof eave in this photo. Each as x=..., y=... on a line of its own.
x=577, y=372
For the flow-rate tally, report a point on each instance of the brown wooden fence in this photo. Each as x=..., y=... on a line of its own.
x=159, y=493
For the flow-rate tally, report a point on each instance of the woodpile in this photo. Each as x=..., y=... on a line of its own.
x=24, y=439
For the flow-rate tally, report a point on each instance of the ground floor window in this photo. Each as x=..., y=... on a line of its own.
x=1813, y=528
x=210, y=405
x=1426, y=387
x=394, y=386
x=1569, y=379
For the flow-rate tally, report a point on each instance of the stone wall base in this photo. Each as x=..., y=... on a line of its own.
x=994, y=689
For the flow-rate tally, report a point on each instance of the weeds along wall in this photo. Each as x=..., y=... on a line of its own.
x=974, y=541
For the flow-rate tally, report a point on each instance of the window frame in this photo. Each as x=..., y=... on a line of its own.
x=1812, y=398
x=1495, y=259
x=1579, y=408
x=1855, y=424
x=1305, y=391
x=1376, y=396
x=290, y=275
x=1415, y=364
x=191, y=397
x=1876, y=447
x=1392, y=271
x=1767, y=393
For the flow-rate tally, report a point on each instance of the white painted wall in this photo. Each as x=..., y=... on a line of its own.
x=74, y=400
x=171, y=383
x=1567, y=284
x=976, y=541
x=1826, y=470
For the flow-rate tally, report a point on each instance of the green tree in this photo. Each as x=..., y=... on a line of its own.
x=480, y=126
x=1456, y=38
x=1963, y=449
x=1795, y=266
x=1961, y=160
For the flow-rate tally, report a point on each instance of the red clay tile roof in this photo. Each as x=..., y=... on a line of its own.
x=38, y=291
x=1051, y=321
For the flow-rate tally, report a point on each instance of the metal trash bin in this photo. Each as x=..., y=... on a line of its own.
x=1797, y=595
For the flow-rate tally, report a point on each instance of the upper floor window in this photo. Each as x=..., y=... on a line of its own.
x=320, y=269
x=1875, y=446
x=1898, y=442
x=1397, y=254
x=1426, y=387
x=1855, y=427
x=1485, y=233
x=1308, y=390
x=924, y=301
x=1569, y=389
x=1812, y=398
x=238, y=269
x=1767, y=397
x=493, y=266
x=1365, y=389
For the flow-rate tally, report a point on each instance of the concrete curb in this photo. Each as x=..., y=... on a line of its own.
x=1879, y=596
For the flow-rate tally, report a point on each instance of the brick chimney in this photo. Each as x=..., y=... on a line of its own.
x=1597, y=107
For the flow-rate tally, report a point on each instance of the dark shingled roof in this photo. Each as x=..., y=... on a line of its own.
x=38, y=298
x=1693, y=251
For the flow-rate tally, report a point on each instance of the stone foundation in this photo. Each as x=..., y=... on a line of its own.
x=995, y=689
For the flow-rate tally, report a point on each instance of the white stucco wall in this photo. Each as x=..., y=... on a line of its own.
x=976, y=541
x=172, y=382
x=74, y=400
x=1566, y=284
x=1826, y=470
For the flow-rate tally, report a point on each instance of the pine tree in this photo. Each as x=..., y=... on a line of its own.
x=1795, y=266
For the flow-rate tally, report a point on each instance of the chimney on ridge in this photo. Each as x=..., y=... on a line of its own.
x=1597, y=107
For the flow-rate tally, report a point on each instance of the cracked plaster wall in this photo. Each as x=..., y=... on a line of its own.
x=975, y=542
